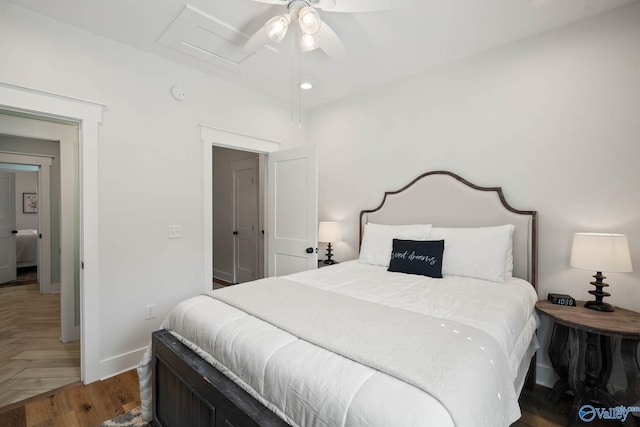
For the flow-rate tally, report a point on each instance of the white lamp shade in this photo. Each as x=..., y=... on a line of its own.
x=308, y=42
x=277, y=27
x=601, y=252
x=329, y=232
x=309, y=20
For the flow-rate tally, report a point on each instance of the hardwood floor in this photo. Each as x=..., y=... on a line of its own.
x=33, y=358
x=90, y=405
x=78, y=405
x=536, y=411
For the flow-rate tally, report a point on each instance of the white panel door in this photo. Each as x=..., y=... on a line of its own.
x=292, y=211
x=7, y=227
x=245, y=220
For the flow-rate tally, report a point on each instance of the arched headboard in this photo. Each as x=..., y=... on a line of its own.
x=445, y=199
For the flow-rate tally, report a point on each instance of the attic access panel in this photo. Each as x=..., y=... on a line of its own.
x=202, y=36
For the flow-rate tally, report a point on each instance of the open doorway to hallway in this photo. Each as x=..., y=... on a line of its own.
x=19, y=193
x=39, y=326
x=238, y=216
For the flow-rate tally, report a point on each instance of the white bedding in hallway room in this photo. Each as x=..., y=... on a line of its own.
x=27, y=248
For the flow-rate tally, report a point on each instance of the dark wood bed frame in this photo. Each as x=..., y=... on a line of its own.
x=189, y=392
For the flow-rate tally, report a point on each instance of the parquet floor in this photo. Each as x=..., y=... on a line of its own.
x=33, y=360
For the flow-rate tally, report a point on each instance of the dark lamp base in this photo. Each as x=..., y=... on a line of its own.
x=329, y=261
x=600, y=306
x=599, y=294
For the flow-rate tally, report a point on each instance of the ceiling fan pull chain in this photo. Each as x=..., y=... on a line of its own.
x=296, y=98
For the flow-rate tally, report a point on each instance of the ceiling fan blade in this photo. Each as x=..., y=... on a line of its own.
x=323, y=4
x=256, y=41
x=355, y=6
x=278, y=2
x=329, y=42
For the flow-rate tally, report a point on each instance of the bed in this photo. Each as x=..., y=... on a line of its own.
x=26, y=248
x=358, y=345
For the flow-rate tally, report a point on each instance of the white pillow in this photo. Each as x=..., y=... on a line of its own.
x=484, y=252
x=508, y=268
x=377, y=241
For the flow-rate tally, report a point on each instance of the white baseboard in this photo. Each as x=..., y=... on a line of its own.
x=73, y=335
x=223, y=275
x=55, y=287
x=118, y=364
x=545, y=376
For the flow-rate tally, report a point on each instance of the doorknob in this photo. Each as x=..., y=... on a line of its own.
x=235, y=232
x=14, y=231
x=309, y=250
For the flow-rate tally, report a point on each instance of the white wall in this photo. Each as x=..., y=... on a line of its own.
x=554, y=120
x=150, y=162
x=26, y=182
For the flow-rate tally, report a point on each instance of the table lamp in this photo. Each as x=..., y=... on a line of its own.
x=329, y=232
x=600, y=252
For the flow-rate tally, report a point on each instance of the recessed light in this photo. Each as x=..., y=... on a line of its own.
x=306, y=86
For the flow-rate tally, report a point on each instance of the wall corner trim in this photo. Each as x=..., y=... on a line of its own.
x=237, y=140
x=74, y=107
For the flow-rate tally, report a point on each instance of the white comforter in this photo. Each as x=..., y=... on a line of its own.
x=282, y=371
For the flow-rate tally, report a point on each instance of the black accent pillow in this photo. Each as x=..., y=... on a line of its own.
x=422, y=257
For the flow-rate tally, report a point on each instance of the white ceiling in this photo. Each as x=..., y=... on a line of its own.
x=381, y=46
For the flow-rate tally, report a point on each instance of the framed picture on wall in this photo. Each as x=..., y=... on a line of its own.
x=29, y=203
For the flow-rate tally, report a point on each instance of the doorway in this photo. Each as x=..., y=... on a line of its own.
x=46, y=310
x=304, y=170
x=237, y=215
x=87, y=116
x=53, y=147
x=19, y=258
x=34, y=235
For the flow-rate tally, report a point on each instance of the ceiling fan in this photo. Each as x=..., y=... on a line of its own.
x=314, y=32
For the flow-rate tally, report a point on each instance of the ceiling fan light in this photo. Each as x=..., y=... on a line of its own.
x=308, y=42
x=309, y=20
x=276, y=27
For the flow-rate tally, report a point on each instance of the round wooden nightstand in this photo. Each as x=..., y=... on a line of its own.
x=581, y=354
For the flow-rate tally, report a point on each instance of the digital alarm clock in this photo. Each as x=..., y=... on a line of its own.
x=561, y=299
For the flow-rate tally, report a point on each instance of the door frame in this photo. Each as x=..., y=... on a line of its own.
x=88, y=115
x=44, y=225
x=211, y=136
